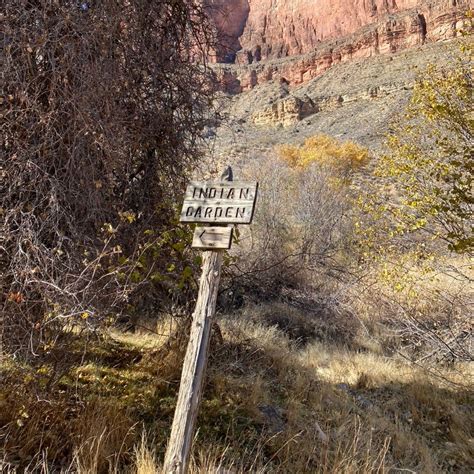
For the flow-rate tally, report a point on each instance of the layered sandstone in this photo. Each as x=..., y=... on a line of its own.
x=357, y=100
x=286, y=112
x=291, y=109
x=299, y=40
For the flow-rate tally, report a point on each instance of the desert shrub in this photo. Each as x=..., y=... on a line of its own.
x=300, y=243
x=416, y=219
x=424, y=309
x=103, y=108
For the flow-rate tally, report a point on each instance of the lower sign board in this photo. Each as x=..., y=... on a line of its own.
x=228, y=202
x=212, y=238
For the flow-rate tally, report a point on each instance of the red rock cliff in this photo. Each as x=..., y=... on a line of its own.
x=314, y=34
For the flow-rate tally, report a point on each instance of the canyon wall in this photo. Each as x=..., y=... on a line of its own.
x=298, y=40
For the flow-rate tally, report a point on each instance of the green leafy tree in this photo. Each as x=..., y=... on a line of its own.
x=429, y=159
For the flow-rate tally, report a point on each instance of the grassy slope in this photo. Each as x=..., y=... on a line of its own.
x=271, y=404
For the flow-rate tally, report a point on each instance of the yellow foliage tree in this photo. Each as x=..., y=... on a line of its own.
x=325, y=150
x=429, y=159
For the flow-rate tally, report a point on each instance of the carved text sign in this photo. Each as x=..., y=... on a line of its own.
x=219, y=202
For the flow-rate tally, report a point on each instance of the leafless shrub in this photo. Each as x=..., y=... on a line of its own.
x=301, y=231
x=434, y=328
x=102, y=114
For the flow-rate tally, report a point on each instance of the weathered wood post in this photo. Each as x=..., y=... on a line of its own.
x=223, y=202
x=189, y=398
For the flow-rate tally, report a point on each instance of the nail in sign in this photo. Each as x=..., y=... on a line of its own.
x=219, y=202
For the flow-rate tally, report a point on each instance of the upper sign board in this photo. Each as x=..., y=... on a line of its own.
x=226, y=202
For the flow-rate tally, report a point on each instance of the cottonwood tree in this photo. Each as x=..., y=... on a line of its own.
x=429, y=159
x=418, y=206
x=304, y=222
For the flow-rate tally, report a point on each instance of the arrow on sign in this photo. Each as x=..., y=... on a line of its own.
x=212, y=238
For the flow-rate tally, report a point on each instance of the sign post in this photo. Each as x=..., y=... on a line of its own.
x=224, y=202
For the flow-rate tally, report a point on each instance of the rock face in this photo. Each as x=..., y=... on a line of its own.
x=285, y=112
x=356, y=100
x=230, y=18
x=298, y=40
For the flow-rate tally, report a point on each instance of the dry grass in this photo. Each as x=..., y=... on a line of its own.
x=271, y=404
x=403, y=416
x=145, y=459
x=421, y=314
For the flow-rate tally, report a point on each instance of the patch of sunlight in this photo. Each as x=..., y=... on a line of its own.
x=345, y=366
x=147, y=338
x=94, y=372
x=266, y=337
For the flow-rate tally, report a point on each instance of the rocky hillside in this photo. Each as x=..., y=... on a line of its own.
x=292, y=69
x=356, y=101
x=298, y=40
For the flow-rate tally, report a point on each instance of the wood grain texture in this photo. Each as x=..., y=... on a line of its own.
x=195, y=362
x=222, y=202
x=212, y=238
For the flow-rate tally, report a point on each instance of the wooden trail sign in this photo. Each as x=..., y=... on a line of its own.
x=223, y=202
x=228, y=202
x=212, y=238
